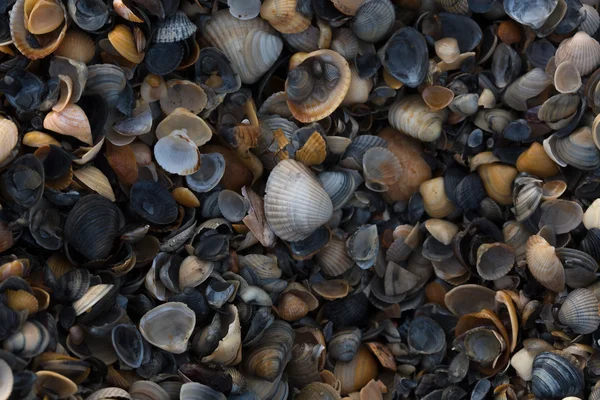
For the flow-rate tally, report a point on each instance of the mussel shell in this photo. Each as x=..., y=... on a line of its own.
x=92, y=226
x=405, y=56
x=153, y=202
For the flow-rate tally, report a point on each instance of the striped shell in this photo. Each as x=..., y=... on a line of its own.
x=580, y=311
x=544, y=264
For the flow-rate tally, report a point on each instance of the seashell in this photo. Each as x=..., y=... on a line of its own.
x=591, y=22
x=406, y=44
x=532, y=15
x=469, y=193
x=447, y=49
x=128, y=344
x=509, y=32
x=526, y=87
x=269, y=356
x=228, y=351
x=567, y=78
x=174, y=28
x=373, y=20
x=283, y=15
x=443, y=231
x=331, y=289
x=317, y=86
x=179, y=119
x=71, y=121
x=185, y=197
x=381, y=169
x=177, y=153
x=291, y=213
x=153, y=202
x=580, y=311
x=33, y=138
x=425, y=336
x=436, y=202
x=413, y=117
x=20, y=34
x=121, y=38
x=437, y=97
x=168, y=326
x=544, y=264
x=497, y=180
x=465, y=104
x=153, y=88
x=591, y=217
x=516, y=235
x=581, y=50
x=355, y=374
x=578, y=149
x=30, y=341
x=318, y=390
x=353, y=156
x=333, y=258
x=558, y=110
x=51, y=382
x=556, y=375
x=358, y=92
x=147, y=389
x=244, y=9
x=164, y=58
x=183, y=94
x=212, y=168
x=122, y=161
x=195, y=390
x=527, y=195
x=7, y=380
x=345, y=43
x=252, y=50
x=536, y=162
x=506, y=65
x=562, y=215
x=468, y=299
x=44, y=17
x=305, y=41
x=363, y=246
x=494, y=260
x=9, y=139
x=76, y=45
x=313, y=151
x=106, y=80
x=20, y=300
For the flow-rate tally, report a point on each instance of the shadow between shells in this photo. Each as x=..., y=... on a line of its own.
x=299, y=199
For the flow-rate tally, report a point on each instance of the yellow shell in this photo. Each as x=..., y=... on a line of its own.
x=71, y=121
x=185, y=197
x=544, y=264
x=536, y=162
x=123, y=41
x=55, y=383
x=45, y=17
x=94, y=179
x=497, y=181
x=77, y=45
x=291, y=307
x=21, y=300
x=437, y=97
x=435, y=201
x=355, y=374
x=313, y=152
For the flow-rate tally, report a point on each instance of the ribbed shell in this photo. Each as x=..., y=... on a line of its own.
x=306, y=41
x=339, y=185
x=333, y=258
x=412, y=117
x=524, y=88
x=454, y=6
x=591, y=243
x=175, y=28
x=469, y=193
x=381, y=169
x=106, y=80
x=251, y=45
x=544, y=264
x=527, y=195
x=580, y=311
x=373, y=20
x=591, y=23
x=556, y=376
x=295, y=202
x=582, y=50
x=345, y=43
x=578, y=149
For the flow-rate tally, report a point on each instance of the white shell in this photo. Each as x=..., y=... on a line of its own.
x=591, y=23
x=582, y=50
x=169, y=326
x=177, y=153
x=295, y=202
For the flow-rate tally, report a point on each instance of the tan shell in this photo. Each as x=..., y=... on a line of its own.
x=183, y=94
x=94, y=179
x=536, y=162
x=333, y=258
x=228, y=351
x=21, y=300
x=567, y=78
x=358, y=92
x=77, y=45
x=313, y=152
x=552, y=190
x=181, y=118
x=153, y=88
x=447, y=49
x=467, y=299
x=45, y=17
x=185, y=197
x=355, y=374
x=312, y=109
x=497, y=181
x=435, y=201
x=125, y=12
x=38, y=139
x=348, y=7
x=66, y=91
x=55, y=383
x=71, y=121
x=381, y=169
x=124, y=43
x=413, y=117
x=283, y=16
x=295, y=202
x=544, y=264
x=91, y=297
x=437, y=97
x=9, y=139
x=291, y=307
x=19, y=33
x=582, y=50
x=444, y=231
x=251, y=45
x=516, y=235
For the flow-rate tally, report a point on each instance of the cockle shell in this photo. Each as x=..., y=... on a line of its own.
x=581, y=50
x=544, y=264
x=70, y=121
x=412, y=117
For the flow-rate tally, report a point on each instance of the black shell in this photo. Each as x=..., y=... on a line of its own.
x=572, y=18
x=196, y=302
x=591, y=243
x=461, y=27
x=153, y=202
x=128, y=344
x=213, y=60
x=349, y=311
x=425, y=336
x=481, y=6
x=25, y=90
x=539, y=52
x=517, y=131
x=92, y=226
x=555, y=376
x=453, y=176
x=406, y=56
x=163, y=58
x=89, y=15
x=470, y=192
x=24, y=180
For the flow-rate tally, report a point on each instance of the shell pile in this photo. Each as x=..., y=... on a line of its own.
x=299, y=199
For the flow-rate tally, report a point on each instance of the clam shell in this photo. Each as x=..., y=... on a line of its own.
x=31, y=340
x=19, y=33
x=506, y=65
x=544, y=264
x=92, y=178
x=183, y=94
x=333, y=258
x=295, y=202
x=494, y=260
x=497, y=181
x=467, y=299
x=591, y=217
x=106, y=80
x=51, y=382
x=195, y=390
x=578, y=149
x=532, y=14
x=121, y=38
x=169, y=326
x=358, y=92
x=374, y=20
x=212, y=168
x=436, y=202
x=562, y=215
x=381, y=169
x=177, y=153
x=175, y=28
x=7, y=380
x=355, y=374
x=405, y=56
x=180, y=118
x=527, y=195
x=345, y=43
x=525, y=87
x=228, y=351
x=9, y=139
x=581, y=50
x=556, y=375
x=44, y=17
x=580, y=311
x=447, y=49
x=413, y=117
x=591, y=22
x=567, y=78
x=71, y=121
x=536, y=162
x=283, y=15
x=320, y=96
x=251, y=45
x=306, y=41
